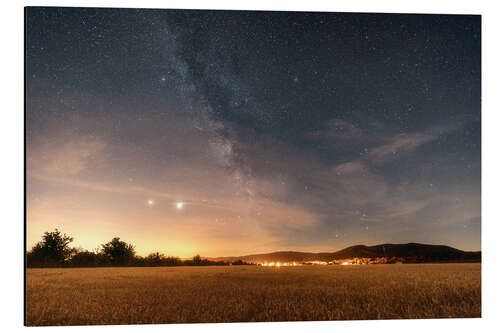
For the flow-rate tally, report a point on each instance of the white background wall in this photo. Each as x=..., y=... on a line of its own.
x=12, y=168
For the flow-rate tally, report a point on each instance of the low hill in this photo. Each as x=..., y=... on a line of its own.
x=411, y=252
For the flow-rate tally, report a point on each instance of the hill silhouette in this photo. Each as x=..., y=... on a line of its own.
x=411, y=252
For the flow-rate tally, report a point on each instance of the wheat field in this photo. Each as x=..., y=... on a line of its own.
x=153, y=295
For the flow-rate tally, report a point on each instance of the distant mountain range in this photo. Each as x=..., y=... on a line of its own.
x=411, y=252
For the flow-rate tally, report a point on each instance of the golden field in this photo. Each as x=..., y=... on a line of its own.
x=154, y=295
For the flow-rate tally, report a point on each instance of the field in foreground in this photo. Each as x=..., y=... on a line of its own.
x=133, y=295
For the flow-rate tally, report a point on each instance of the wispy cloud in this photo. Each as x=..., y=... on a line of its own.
x=62, y=159
x=400, y=144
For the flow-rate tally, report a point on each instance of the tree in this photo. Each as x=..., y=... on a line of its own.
x=197, y=260
x=118, y=252
x=155, y=259
x=172, y=261
x=52, y=250
x=84, y=258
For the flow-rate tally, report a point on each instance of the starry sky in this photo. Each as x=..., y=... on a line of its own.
x=233, y=132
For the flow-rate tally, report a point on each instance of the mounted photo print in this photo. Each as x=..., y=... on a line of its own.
x=216, y=166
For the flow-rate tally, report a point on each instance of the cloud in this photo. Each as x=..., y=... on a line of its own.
x=108, y=179
x=341, y=134
x=399, y=144
x=63, y=159
x=348, y=194
x=404, y=143
x=351, y=167
x=376, y=143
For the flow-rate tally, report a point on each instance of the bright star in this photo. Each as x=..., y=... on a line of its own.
x=150, y=202
x=179, y=205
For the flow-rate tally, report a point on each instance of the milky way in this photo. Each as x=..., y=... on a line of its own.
x=230, y=132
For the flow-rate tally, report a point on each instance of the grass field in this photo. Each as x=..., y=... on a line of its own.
x=133, y=295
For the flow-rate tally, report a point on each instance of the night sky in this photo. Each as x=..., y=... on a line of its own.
x=275, y=130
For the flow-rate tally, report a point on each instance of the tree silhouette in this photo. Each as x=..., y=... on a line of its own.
x=52, y=250
x=84, y=258
x=118, y=252
x=172, y=261
x=155, y=259
x=197, y=260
